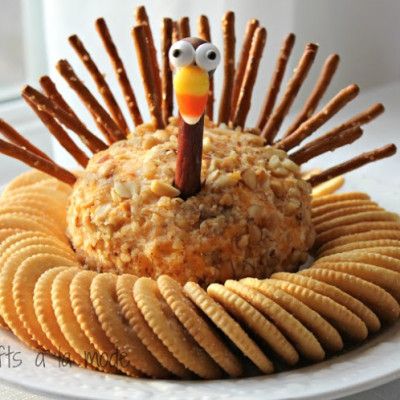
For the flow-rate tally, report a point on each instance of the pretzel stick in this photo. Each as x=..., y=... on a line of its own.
x=251, y=27
x=203, y=31
x=313, y=123
x=50, y=90
x=101, y=117
x=167, y=105
x=184, y=27
x=360, y=119
x=119, y=70
x=143, y=19
x=354, y=163
x=34, y=161
x=175, y=32
x=299, y=75
x=15, y=137
x=144, y=60
x=60, y=134
x=46, y=105
x=250, y=75
x=276, y=80
x=311, y=104
x=100, y=82
x=86, y=137
x=326, y=143
x=228, y=30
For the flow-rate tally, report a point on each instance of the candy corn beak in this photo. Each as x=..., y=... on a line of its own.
x=191, y=85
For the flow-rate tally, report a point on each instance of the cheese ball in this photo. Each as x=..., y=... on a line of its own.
x=251, y=218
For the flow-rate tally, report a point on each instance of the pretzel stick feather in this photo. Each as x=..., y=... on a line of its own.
x=101, y=83
x=354, y=163
x=296, y=81
x=101, y=117
x=317, y=120
x=311, y=104
x=35, y=161
x=15, y=137
x=276, y=80
x=119, y=70
x=251, y=27
x=45, y=104
x=250, y=75
x=228, y=29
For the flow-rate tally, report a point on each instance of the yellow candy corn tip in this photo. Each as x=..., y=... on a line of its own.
x=191, y=80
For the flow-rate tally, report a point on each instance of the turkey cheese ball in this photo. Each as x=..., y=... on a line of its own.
x=252, y=216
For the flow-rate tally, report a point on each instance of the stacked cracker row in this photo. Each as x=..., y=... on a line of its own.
x=159, y=329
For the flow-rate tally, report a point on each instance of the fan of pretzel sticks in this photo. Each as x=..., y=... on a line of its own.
x=234, y=104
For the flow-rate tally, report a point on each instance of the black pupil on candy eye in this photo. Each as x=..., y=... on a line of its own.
x=211, y=55
x=176, y=53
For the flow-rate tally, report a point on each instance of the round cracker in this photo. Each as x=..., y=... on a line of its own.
x=47, y=319
x=25, y=179
x=339, y=205
x=357, y=307
x=365, y=257
x=359, y=237
x=29, y=238
x=204, y=334
x=33, y=190
x=49, y=185
x=103, y=294
x=68, y=323
x=364, y=245
x=24, y=281
x=171, y=332
x=305, y=342
x=354, y=218
x=380, y=301
x=132, y=314
x=23, y=223
x=5, y=233
x=85, y=314
x=342, y=212
x=51, y=225
x=254, y=321
x=328, y=187
x=326, y=334
x=359, y=227
x=386, y=279
x=228, y=326
x=23, y=209
x=393, y=252
x=333, y=198
x=342, y=318
x=7, y=305
x=43, y=204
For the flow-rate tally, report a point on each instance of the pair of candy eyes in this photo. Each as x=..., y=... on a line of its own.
x=206, y=56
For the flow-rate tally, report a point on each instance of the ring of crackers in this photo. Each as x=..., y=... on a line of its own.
x=88, y=317
x=228, y=325
x=103, y=294
x=255, y=321
x=197, y=326
x=133, y=315
x=170, y=331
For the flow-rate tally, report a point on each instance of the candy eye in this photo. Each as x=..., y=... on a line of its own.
x=207, y=56
x=181, y=54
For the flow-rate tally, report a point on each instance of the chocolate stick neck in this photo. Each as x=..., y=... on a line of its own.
x=188, y=163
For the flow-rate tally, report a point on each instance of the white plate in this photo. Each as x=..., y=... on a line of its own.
x=375, y=363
